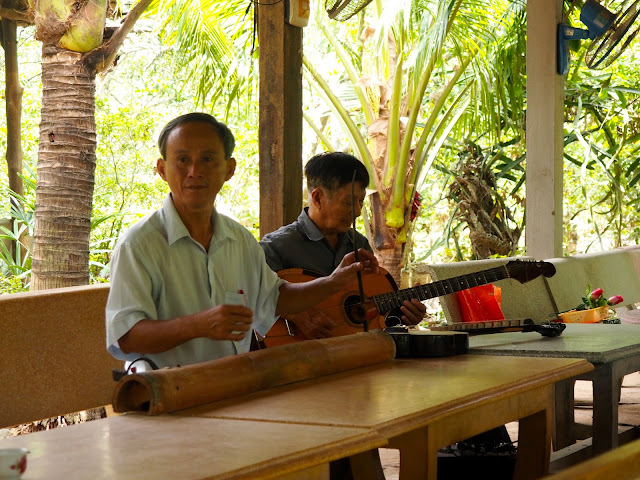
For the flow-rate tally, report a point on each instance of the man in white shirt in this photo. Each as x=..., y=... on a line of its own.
x=188, y=284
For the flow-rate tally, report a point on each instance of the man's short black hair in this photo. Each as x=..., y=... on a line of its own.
x=228, y=141
x=332, y=170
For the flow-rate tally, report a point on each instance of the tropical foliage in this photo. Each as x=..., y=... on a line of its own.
x=471, y=110
x=15, y=242
x=602, y=154
x=77, y=44
x=213, y=41
x=421, y=78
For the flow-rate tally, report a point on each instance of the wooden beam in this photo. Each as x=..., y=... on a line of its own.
x=545, y=135
x=280, y=130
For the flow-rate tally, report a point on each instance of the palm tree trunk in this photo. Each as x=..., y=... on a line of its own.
x=13, y=95
x=66, y=164
x=391, y=260
x=385, y=243
x=13, y=104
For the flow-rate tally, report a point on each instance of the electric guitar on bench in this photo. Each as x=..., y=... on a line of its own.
x=383, y=301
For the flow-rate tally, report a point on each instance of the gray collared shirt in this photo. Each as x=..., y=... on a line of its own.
x=302, y=245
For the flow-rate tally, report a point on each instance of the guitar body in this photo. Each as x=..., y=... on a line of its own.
x=338, y=307
x=383, y=297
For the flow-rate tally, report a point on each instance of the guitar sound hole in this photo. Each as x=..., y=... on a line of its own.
x=353, y=310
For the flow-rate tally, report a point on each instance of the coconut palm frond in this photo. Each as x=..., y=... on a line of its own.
x=212, y=40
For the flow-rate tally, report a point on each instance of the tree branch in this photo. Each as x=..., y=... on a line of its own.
x=25, y=16
x=100, y=58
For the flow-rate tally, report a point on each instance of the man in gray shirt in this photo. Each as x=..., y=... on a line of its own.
x=322, y=235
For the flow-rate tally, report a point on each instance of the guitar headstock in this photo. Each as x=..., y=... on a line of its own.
x=525, y=270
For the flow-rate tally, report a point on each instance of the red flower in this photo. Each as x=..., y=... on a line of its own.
x=616, y=299
x=417, y=199
x=595, y=295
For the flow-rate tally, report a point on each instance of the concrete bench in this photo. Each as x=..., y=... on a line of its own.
x=519, y=300
x=616, y=271
x=53, y=356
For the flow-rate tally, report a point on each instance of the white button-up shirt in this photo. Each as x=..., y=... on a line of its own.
x=159, y=272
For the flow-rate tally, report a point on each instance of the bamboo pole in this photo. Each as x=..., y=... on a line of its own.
x=171, y=389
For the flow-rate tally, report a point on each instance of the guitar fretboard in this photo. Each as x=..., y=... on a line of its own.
x=470, y=326
x=552, y=329
x=391, y=300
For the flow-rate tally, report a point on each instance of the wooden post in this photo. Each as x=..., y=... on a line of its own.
x=545, y=135
x=280, y=130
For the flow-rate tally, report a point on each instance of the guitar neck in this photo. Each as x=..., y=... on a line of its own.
x=500, y=326
x=494, y=326
x=392, y=300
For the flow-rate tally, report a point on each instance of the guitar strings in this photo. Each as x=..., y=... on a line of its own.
x=365, y=322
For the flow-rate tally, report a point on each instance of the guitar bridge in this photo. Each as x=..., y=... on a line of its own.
x=289, y=330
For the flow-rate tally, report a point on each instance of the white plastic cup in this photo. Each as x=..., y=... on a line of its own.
x=13, y=462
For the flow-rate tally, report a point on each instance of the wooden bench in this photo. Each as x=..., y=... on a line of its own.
x=53, y=355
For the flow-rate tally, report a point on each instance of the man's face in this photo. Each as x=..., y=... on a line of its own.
x=195, y=166
x=335, y=211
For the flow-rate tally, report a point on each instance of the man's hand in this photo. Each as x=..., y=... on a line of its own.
x=414, y=311
x=299, y=297
x=225, y=322
x=313, y=323
x=346, y=271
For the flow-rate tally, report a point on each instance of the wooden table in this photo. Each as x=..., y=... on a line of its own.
x=614, y=350
x=622, y=463
x=134, y=446
x=421, y=405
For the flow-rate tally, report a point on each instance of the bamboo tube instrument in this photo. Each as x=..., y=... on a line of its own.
x=176, y=388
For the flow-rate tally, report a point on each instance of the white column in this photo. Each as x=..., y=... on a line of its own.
x=545, y=113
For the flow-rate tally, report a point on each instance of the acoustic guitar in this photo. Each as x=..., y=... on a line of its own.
x=384, y=298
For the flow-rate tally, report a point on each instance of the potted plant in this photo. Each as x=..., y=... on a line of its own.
x=594, y=308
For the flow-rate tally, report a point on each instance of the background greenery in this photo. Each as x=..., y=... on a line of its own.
x=151, y=84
